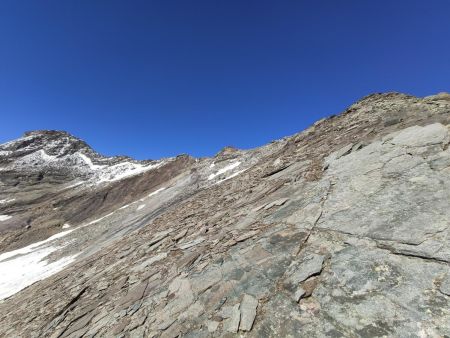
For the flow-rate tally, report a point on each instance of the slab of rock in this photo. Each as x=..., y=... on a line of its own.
x=153, y=259
x=445, y=285
x=180, y=235
x=245, y=236
x=248, y=312
x=276, y=203
x=311, y=265
x=188, y=259
x=212, y=325
x=134, y=294
x=307, y=216
x=343, y=151
x=103, y=285
x=299, y=294
x=190, y=244
x=180, y=292
x=417, y=136
x=159, y=237
x=233, y=315
x=338, y=154
x=206, y=280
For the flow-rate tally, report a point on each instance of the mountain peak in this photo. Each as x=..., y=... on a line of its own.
x=48, y=133
x=53, y=142
x=384, y=98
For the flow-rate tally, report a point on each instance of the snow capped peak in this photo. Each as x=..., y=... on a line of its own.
x=47, y=133
x=52, y=142
x=59, y=151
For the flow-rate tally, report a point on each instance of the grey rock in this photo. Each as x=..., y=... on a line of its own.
x=246, y=236
x=343, y=151
x=307, y=216
x=248, y=308
x=299, y=294
x=206, y=280
x=445, y=285
x=233, y=315
x=212, y=325
x=276, y=203
x=309, y=266
x=417, y=136
x=190, y=244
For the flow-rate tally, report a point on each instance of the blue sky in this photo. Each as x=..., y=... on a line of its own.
x=153, y=79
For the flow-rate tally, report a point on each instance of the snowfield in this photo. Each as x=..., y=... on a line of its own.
x=125, y=169
x=23, y=267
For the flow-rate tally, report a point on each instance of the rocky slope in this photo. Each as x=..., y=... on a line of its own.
x=339, y=231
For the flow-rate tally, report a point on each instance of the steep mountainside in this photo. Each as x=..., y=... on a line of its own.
x=342, y=230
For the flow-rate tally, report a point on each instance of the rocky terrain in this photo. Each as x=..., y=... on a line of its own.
x=342, y=230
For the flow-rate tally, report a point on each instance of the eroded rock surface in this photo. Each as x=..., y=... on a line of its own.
x=342, y=230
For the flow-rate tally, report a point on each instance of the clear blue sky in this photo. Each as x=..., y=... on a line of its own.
x=153, y=79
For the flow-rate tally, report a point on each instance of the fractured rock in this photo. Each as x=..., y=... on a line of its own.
x=248, y=312
x=233, y=315
x=299, y=294
x=190, y=244
x=276, y=203
x=309, y=266
x=212, y=325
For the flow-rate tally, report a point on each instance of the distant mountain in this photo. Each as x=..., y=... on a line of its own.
x=342, y=230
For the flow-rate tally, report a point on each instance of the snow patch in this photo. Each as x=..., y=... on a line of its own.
x=125, y=169
x=7, y=200
x=39, y=157
x=224, y=170
x=98, y=219
x=25, y=266
x=46, y=157
x=24, y=270
x=156, y=192
x=4, y=217
x=125, y=206
x=88, y=161
x=142, y=200
x=73, y=185
x=232, y=175
x=28, y=249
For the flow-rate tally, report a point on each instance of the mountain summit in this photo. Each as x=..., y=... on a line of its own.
x=341, y=230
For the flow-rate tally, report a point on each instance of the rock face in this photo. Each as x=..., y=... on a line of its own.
x=342, y=230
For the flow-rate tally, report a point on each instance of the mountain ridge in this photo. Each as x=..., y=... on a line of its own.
x=339, y=230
